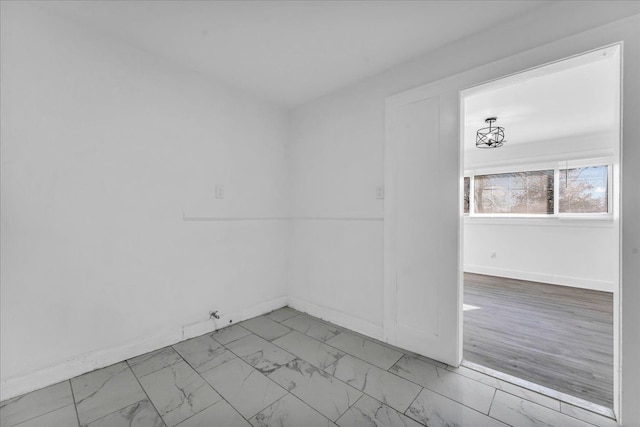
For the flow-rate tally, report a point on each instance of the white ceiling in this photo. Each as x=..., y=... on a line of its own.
x=577, y=96
x=291, y=52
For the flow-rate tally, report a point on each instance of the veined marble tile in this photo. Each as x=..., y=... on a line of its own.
x=141, y=414
x=313, y=351
x=587, y=416
x=230, y=333
x=434, y=410
x=424, y=358
x=31, y=405
x=104, y=391
x=515, y=411
x=260, y=353
x=457, y=387
x=265, y=327
x=374, y=353
x=219, y=414
x=316, y=388
x=153, y=361
x=289, y=412
x=248, y=390
x=368, y=412
x=384, y=344
x=178, y=392
x=382, y=385
x=311, y=327
x=282, y=314
x=203, y=352
x=507, y=387
x=65, y=416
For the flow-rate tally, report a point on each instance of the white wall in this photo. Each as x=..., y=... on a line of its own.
x=570, y=252
x=337, y=145
x=575, y=254
x=104, y=148
x=337, y=160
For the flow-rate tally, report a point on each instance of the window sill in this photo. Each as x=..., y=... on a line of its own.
x=556, y=221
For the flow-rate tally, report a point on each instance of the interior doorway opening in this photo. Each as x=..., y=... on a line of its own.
x=542, y=228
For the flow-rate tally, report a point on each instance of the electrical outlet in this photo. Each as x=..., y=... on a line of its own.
x=219, y=191
x=380, y=192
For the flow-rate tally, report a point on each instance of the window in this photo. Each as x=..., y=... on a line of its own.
x=467, y=195
x=570, y=191
x=584, y=190
x=515, y=193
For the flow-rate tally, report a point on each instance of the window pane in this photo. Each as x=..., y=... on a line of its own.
x=584, y=190
x=467, y=191
x=515, y=193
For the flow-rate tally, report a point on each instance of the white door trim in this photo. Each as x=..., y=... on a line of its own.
x=530, y=59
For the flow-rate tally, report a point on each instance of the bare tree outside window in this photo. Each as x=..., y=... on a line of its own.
x=467, y=193
x=515, y=193
x=584, y=190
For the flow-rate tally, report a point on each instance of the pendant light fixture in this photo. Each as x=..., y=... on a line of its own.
x=490, y=137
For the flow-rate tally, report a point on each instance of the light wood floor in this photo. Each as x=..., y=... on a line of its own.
x=555, y=336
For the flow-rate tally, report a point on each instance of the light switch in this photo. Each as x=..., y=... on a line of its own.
x=219, y=191
x=380, y=192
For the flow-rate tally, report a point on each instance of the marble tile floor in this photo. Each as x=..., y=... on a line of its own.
x=287, y=369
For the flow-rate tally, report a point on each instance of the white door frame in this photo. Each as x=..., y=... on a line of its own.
x=446, y=88
x=616, y=204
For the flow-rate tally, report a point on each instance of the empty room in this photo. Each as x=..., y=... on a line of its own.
x=319, y=213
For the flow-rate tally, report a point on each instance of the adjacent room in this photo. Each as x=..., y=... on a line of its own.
x=541, y=271
x=275, y=213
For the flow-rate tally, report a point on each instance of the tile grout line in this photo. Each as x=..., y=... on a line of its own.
x=351, y=406
x=542, y=406
x=145, y=391
x=403, y=353
x=560, y=402
x=207, y=382
x=155, y=370
x=46, y=413
x=75, y=405
x=387, y=370
x=197, y=373
x=271, y=404
x=364, y=393
x=329, y=345
x=398, y=376
x=266, y=376
x=560, y=399
x=210, y=334
x=306, y=361
x=523, y=389
x=411, y=404
x=283, y=320
x=493, y=398
x=220, y=394
x=321, y=414
x=395, y=363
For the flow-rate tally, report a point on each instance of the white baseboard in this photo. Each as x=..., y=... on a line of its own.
x=356, y=324
x=574, y=282
x=21, y=384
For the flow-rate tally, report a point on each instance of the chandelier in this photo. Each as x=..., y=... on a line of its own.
x=490, y=137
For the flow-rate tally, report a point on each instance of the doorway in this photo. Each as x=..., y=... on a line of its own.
x=541, y=228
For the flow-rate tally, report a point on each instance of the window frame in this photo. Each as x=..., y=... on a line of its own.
x=556, y=166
